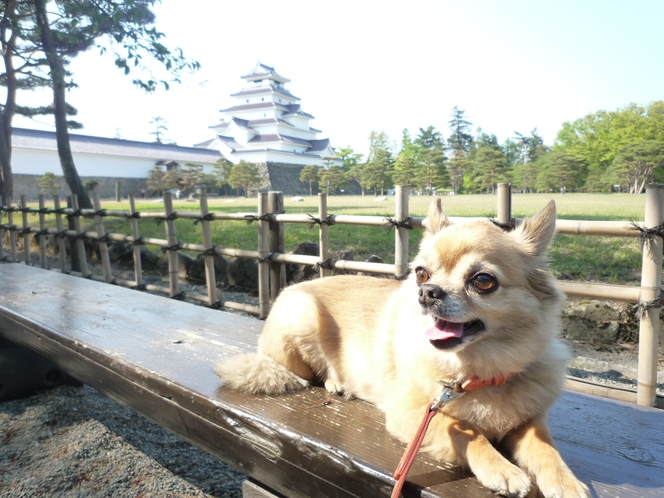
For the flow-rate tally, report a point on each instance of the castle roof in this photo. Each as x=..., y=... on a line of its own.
x=265, y=90
x=263, y=71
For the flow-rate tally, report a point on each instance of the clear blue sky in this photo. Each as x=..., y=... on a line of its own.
x=388, y=65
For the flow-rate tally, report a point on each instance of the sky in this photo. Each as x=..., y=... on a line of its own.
x=359, y=66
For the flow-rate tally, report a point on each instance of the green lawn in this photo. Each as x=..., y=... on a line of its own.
x=603, y=259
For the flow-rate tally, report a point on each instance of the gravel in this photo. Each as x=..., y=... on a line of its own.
x=74, y=441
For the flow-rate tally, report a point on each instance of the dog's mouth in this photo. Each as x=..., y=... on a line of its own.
x=447, y=335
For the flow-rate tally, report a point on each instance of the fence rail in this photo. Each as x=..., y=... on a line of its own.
x=271, y=257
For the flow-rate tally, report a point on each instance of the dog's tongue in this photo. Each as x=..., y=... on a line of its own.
x=443, y=329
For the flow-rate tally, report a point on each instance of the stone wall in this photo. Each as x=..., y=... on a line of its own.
x=285, y=178
x=28, y=185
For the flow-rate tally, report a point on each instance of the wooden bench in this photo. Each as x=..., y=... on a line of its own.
x=156, y=355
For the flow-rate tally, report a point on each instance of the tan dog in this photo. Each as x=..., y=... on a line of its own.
x=479, y=304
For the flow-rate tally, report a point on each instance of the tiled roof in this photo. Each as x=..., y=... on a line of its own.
x=23, y=138
x=267, y=89
x=294, y=109
x=251, y=107
x=262, y=70
x=318, y=145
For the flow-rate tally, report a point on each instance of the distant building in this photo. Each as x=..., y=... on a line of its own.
x=267, y=126
x=106, y=160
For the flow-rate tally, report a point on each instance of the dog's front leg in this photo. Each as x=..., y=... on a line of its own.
x=460, y=442
x=533, y=449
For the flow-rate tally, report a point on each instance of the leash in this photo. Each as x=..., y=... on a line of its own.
x=450, y=393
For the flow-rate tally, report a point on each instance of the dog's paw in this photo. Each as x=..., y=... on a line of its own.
x=334, y=386
x=506, y=480
x=560, y=483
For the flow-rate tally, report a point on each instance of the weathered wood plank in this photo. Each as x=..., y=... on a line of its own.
x=156, y=356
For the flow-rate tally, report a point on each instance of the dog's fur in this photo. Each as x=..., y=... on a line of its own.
x=370, y=338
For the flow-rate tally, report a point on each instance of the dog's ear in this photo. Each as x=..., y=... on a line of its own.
x=436, y=220
x=535, y=233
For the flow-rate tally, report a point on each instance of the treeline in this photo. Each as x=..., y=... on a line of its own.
x=604, y=151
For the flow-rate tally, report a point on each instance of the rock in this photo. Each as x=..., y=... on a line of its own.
x=297, y=199
x=373, y=259
x=591, y=321
x=299, y=273
x=243, y=274
x=345, y=256
x=196, y=271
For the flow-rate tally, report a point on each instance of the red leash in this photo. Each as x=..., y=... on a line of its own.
x=450, y=393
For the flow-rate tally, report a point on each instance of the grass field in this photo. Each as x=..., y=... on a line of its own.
x=604, y=259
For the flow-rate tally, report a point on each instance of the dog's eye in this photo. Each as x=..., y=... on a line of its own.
x=421, y=275
x=485, y=283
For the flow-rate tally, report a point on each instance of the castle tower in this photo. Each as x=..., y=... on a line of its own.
x=266, y=125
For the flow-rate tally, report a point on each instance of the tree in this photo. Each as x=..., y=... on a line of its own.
x=48, y=184
x=160, y=127
x=191, y=176
x=244, y=175
x=531, y=147
x=460, y=137
x=457, y=166
x=377, y=172
x=598, y=137
x=333, y=177
x=524, y=176
x=491, y=165
x=160, y=180
x=561, y=171
x=430, y=169
x=405, y=165
x=309, y=174
x=90, y=185
x=635, y=164
x=45, y=42
x=221, y=170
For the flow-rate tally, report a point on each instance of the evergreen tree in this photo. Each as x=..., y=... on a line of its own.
x=405, y=165
x=377, y=172
x=309, y=174
x=460, y=138
x=244, y=175
x=431, y=172
x=561, y=171
x=48, y=183
x=491, y=164
x=457, y=167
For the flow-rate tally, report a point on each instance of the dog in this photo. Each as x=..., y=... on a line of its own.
x=479, y=306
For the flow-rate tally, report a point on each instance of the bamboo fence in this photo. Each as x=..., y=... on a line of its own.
x=270, y=254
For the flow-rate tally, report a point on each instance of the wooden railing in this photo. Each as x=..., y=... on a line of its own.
x=271, y=217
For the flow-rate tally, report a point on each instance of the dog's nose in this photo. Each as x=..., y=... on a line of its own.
x=430, y=293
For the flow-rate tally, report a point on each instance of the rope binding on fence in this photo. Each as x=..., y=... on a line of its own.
x=329, y=220
x=170, y=217
x=642, y=307
x=394, y=223
x=252, y=217
x=206, y=217
x=647, y=234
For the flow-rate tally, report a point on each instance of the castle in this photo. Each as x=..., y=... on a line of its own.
x=267, y=126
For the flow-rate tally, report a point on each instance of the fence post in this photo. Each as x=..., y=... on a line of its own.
x=80, y=243
x=133, y=223
x=173, y=263
x=263, y=253
x=322, y=237
x=210, y=276
x=62, y=248
x=651, y=281
x=504, y=213
x=103, y=246
x=12, y=231
x=2, y=231
x=42, y=232
x=277, y=244
x=401, y=193
x=26, y=231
